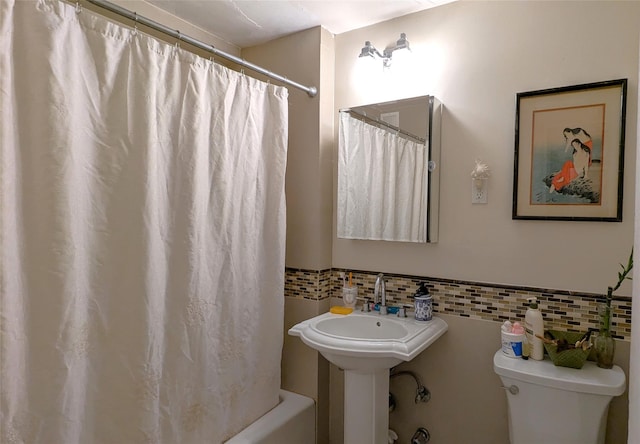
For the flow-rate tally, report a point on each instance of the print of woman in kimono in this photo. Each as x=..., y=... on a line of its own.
x=579, y=141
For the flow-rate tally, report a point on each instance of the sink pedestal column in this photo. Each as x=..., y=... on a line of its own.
x=366, y=406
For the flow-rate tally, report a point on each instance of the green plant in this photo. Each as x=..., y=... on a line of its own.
x=622, y=276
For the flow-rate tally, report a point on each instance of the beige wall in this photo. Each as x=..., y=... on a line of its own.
x=634, y=366
x=307, y=58
x=475, y=57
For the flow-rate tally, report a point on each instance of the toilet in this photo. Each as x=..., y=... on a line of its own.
x=557, y=405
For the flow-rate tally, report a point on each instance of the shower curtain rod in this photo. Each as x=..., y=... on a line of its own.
x=312, y=91
x=383, y=123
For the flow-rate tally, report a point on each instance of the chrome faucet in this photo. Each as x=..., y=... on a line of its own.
x=380, y=290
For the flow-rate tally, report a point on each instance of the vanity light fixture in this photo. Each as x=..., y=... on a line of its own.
x=370, y=51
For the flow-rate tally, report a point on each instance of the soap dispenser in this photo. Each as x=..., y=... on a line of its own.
x=423, y=303
x=534, y=329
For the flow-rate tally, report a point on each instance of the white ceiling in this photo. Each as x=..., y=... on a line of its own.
x=247, y=23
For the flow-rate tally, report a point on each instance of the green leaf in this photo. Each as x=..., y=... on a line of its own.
x=622, y=276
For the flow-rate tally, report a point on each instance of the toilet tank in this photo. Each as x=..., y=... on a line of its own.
x=557, y=405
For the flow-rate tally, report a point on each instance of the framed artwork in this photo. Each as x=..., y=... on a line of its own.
x=569, y=152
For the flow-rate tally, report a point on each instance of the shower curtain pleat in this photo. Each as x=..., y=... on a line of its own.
x=382, y=184
x=142, y=233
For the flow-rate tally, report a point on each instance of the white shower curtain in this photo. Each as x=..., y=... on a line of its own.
x=142, y=235
x=382, y=184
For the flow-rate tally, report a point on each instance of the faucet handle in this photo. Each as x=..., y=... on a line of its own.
x=402, y=311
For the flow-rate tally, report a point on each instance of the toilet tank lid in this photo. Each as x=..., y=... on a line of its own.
x=589, y=379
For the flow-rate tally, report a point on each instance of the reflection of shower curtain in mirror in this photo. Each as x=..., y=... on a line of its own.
x=143, y=235
x=382, y=184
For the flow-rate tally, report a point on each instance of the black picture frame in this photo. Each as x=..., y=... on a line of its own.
x=569, y=152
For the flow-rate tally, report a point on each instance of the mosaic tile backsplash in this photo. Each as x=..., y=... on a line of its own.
x=562, y=310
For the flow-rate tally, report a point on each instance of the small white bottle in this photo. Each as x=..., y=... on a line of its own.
x=534, y=325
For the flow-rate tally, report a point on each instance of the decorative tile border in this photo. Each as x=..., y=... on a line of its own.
x=307, y=284
x=562, y=310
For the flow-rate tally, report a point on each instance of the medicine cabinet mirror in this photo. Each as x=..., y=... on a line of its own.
x=388, y=170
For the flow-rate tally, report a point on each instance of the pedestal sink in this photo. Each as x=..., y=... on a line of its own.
x=366, y=346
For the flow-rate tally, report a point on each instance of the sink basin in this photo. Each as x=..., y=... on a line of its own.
x=368, y=340
x=362, y=327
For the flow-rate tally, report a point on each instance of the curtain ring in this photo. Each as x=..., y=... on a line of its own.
x=78, y=7
x=135, y=23
x=179, y=38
